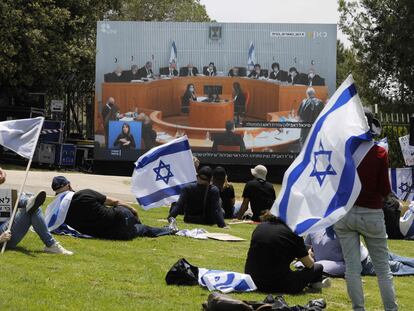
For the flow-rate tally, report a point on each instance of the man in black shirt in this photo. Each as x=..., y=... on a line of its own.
x=200, y=201
x=273, y=247
x=228, y=138
x=258, y=192
x=89, y=214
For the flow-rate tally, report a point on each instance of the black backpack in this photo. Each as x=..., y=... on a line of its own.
x=182, y=273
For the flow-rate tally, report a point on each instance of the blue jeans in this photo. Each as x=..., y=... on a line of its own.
x=134, y=228
x=22, y=223
x=398, y=265
x=368, y=223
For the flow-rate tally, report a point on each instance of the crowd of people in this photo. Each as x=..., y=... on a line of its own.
x=292, y=76
x=273, y=247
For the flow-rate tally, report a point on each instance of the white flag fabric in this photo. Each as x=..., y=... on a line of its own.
x=225, y=281
x=173, y=54
x=407, y=222
x=251, y=57
x=21, y=135
x=401, y=180
x=322, y=184
x=160, y=173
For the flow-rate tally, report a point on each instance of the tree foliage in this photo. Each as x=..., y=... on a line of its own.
x=382, y=35
x=49, y=45
x=164, y=10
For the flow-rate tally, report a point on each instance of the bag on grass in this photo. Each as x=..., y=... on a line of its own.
x=222, y=302
x=182, y=273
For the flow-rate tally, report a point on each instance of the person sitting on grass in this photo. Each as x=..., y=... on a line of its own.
x=226, y=191
x=273, y=247
x=96, y=214
x=258, y=192
x=29, y=214
x=199, y=201
x=327, y=251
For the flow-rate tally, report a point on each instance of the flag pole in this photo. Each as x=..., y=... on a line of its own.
x=22, y=187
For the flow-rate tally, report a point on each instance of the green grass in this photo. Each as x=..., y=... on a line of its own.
x=109, y=275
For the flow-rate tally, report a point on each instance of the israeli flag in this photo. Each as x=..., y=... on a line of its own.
x=401, y=180
x=57, y=210
x=160, y=173
x=251, y=57
x=173, y=54
x=225, y=281
x=322, y=184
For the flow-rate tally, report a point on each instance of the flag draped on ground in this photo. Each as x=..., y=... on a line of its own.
x=173, y=54
x=251, y=57
x=21, y=135
x=160, y=173
x=322, y=184
x=225, y=281
x=401, y=180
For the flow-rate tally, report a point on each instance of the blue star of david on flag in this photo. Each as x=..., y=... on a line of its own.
x=322, y=166
x=163, y=169
x=405, y=187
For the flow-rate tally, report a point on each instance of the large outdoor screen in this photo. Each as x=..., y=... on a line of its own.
x=242, y=93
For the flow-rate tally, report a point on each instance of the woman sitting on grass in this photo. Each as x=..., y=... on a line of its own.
x=226, y=191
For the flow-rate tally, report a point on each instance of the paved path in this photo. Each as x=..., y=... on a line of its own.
x=114, y=186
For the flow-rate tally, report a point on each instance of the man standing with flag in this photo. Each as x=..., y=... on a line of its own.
x=366, y=219
x=322, y=185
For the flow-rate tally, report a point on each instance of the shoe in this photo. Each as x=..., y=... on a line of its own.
x=172, y=224
x=35, y=202
x=320, y=303
x=325, y=283
x=57, y=249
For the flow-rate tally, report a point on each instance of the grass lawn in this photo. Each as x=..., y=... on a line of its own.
x=109, y=275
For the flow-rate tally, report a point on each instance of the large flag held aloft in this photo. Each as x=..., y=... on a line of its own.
x=160, y=173
x=322, y=184
x=21, y=135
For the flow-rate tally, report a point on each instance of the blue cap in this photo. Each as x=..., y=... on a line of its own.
x=59, y=182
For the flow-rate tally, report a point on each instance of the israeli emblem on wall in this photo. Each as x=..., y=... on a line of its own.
x=214, y=32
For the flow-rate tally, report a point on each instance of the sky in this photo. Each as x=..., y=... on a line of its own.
x=274, y=11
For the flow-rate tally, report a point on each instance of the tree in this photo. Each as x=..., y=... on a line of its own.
x=164, y=10
x=382, y=35
x=49, y=45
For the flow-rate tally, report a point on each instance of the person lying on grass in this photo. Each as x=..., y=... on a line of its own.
x=29, y=214
x=96, y=214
